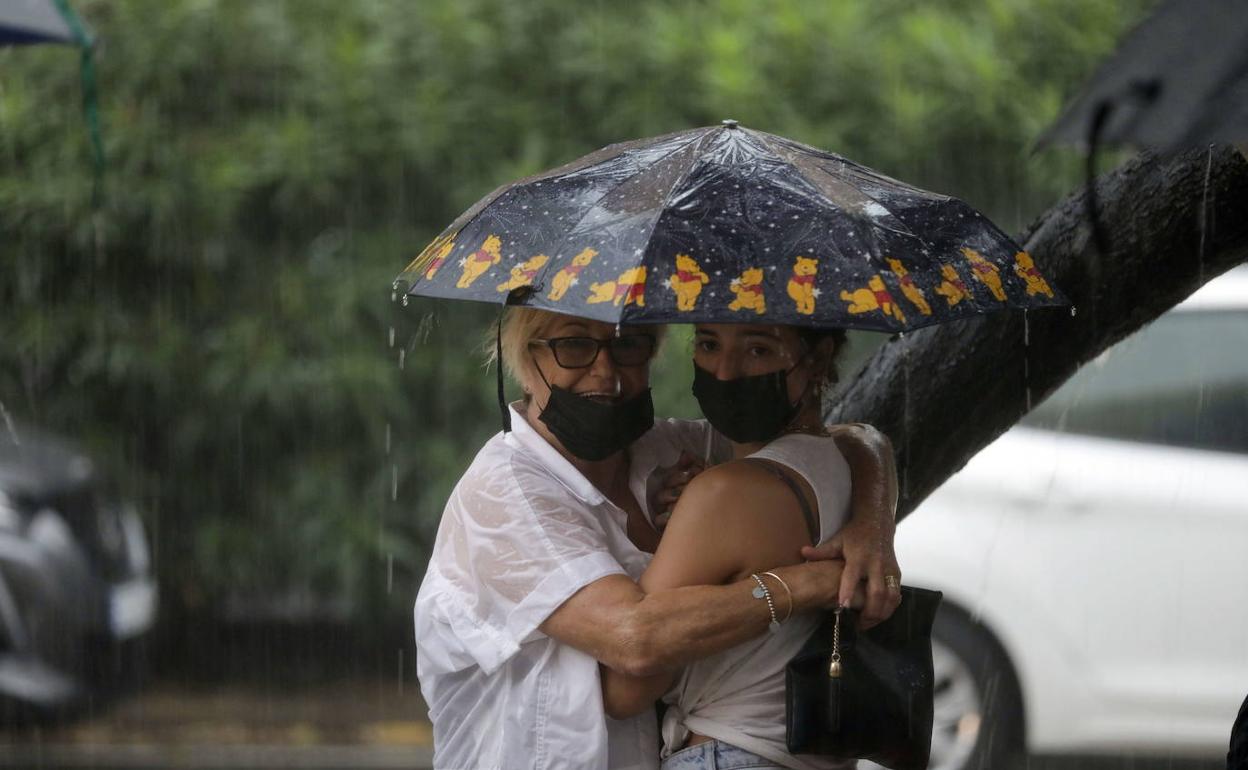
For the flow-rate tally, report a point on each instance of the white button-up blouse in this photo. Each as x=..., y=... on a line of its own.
x=523, y=531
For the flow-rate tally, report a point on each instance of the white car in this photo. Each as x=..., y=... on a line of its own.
x=1094, y=559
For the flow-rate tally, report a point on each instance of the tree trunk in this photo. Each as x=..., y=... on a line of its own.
x=944, y=392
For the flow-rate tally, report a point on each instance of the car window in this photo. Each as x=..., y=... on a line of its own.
x=1181, y=381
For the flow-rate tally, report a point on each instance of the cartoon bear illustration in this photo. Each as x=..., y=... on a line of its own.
x=1025, y=268
x=601, y=292
x=874, y=297
x=432, y=258
x=909, y=288
x=749, y=290
x=952, y=288
x=985, y=272
x=439, y=258
x=566, y=278
x=802, y=284
x=629, y=288
x=480, y=261
x=687, y=282
x=524, y=273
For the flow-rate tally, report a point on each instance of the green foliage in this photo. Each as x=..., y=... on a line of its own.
x=221, y=332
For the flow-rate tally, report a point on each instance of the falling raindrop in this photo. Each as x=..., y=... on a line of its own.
x=394, y=482
x=905, y=415
x=400, y=671
x=1027, y=382
x=1204, y=218
x=8, y=424
x=1073, y=310
x=389, y=573
x=402, y=358
x=391, y=336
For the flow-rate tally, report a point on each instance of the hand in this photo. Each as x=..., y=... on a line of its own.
x=867, y=548
x=866, y=542
x=816, y=585
x=671, y=484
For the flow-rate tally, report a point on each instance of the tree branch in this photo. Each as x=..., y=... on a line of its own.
x=945, y=392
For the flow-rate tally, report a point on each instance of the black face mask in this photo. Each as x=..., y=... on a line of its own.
x=592, y=430
x=746, y=409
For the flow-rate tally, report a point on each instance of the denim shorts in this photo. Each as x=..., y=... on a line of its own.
x=717, y=755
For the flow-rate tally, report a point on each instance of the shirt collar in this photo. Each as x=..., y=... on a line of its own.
x=524, y=437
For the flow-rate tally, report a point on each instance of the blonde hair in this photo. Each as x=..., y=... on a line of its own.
x=522, y=325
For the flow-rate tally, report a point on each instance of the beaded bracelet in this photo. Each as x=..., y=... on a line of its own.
x=785, y=586
x=763, y=592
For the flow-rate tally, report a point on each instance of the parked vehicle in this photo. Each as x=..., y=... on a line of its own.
x=77, y=596
x=1094, y=559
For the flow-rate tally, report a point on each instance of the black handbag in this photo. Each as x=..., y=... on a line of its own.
x=866, y=694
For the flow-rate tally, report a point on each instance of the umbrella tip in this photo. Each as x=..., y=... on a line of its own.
x=729, y=123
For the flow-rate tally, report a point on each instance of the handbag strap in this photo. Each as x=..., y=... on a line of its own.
x=812, y=524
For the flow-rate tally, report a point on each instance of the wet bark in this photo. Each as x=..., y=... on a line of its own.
x=945, y=392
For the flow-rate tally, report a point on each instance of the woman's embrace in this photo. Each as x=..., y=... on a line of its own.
x=785, y=487
x=541, y=575
x=533, y=581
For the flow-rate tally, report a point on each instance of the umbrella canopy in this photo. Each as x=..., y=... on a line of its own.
x=53, y=21
x=1178, y=80
x=725, y=224
x=39, y=21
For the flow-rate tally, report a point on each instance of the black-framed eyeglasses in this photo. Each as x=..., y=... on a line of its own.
x=581, y=352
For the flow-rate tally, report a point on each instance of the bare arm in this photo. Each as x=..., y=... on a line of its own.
x=698, y=596
x=626, y=629
x=731, y=522
x=865, y=542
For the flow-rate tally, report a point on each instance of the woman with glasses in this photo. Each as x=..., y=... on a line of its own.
x=786, y=488
x=532, y=583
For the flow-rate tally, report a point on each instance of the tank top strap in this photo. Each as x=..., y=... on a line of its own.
x=812, y=524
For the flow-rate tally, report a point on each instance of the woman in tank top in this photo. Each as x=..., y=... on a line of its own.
x=786, y=488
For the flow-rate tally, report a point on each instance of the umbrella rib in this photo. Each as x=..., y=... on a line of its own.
x=667, y=198
x=783, y=158
x=468, y=217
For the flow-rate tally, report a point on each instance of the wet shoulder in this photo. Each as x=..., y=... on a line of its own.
x=735, y=484
x=504, y=473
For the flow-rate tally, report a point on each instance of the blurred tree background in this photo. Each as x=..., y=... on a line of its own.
x=220, y=333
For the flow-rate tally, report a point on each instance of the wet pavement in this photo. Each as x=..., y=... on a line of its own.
x=350, y=724
x=358, y=724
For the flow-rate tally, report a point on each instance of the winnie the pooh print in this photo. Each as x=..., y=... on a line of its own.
x=478, y=262
x=687, y=282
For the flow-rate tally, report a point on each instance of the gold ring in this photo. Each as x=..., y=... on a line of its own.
x=893, y=583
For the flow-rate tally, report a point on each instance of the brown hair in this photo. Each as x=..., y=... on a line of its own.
x=826, y=373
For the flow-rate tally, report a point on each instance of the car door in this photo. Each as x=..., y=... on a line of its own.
x=1150, y=493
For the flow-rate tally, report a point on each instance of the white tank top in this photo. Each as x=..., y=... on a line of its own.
x=737, y=696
